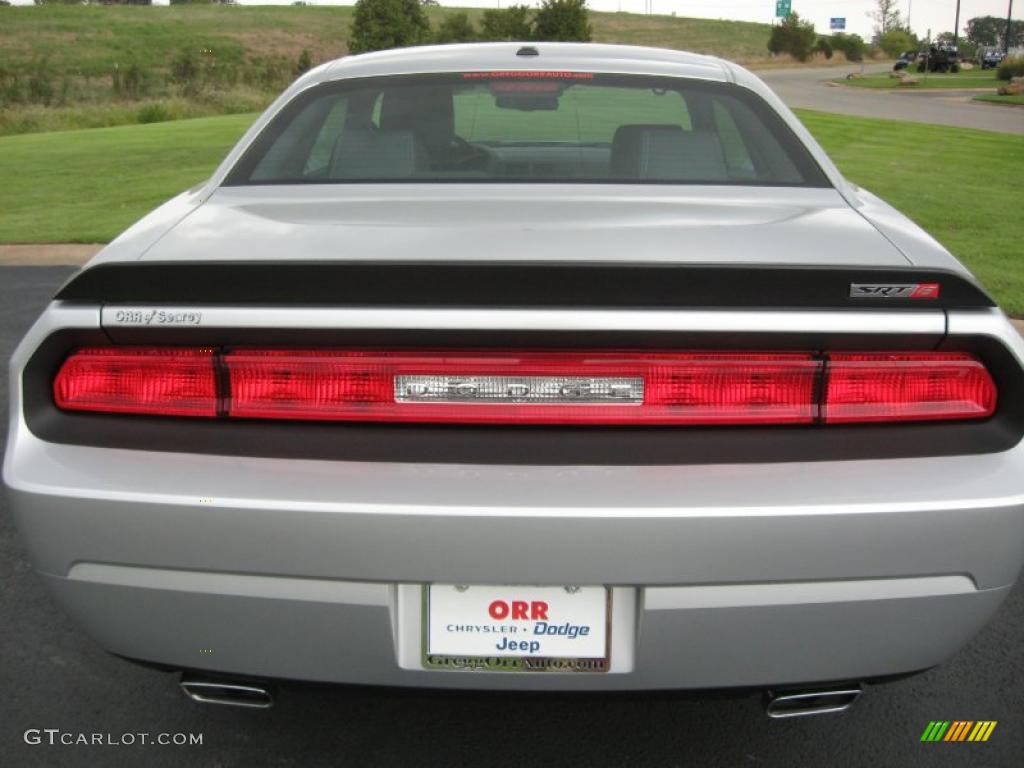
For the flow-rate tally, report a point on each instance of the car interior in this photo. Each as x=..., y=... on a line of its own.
x=534, y=131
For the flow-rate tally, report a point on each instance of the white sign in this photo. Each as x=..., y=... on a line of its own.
x=517, y=622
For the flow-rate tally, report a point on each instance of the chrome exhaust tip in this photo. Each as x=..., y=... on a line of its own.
x=235, y=694
x=783, y=704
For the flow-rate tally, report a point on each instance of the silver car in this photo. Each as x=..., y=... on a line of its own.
x=507, y=366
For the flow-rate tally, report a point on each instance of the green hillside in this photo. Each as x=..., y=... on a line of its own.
x=89, y=40
x=66, y=67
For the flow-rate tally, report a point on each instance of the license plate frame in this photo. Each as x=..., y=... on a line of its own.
x=515, y=662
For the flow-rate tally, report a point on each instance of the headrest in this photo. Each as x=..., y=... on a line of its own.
x=374, y=154
x=428, y=112
x=667, y=152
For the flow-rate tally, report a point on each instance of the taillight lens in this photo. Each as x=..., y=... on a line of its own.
x=866, y=387
x=527, y=387
x=170, y=381
x=523, y=387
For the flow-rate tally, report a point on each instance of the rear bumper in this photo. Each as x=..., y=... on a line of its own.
x=687, y=637
x=725, y=575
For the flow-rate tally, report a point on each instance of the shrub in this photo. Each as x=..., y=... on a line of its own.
x=64, y=93
x=823, y=46
x=185, y=72
x=793, y=36
x=234, y=100
x=268, y=73
x=133, y=83
x=896, y=41
x=1011, y=66
x=456, y=28
x=852, y=46
x=154, y=113
x=40, y=83
x=562, y=20
x=304, y=63
x=512, y=23
x=12, y=90
x=193, y=70
x=383, y=24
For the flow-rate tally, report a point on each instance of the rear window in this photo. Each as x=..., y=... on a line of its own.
x=527, y=127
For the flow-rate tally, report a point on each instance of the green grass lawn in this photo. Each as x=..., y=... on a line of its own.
x=995, y=98
x=86, y=186
x=965, y=79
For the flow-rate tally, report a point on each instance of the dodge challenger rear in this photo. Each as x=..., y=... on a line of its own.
x=553, y=367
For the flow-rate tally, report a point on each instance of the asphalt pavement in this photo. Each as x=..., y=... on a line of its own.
x=52, y=676
x=808, y=88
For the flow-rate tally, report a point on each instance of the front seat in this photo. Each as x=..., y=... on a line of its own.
x=656, y=152
x=375, y=154
x=428, y=112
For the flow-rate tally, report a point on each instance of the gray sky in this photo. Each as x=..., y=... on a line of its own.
x=924, y=14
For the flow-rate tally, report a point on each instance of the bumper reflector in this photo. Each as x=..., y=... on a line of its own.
x=527, y=386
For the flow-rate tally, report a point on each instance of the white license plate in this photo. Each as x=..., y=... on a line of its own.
x=515, y=628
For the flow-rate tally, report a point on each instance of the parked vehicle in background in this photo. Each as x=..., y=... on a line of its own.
x=504, y=366
x=992, y=58
x=905, y=60
x=939, y=58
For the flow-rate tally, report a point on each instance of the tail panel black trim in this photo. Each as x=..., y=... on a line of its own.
x=511, y=284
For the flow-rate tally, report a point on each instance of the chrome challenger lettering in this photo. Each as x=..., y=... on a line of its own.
x=556, y=390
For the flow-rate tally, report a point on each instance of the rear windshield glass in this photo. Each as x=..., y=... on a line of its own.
x=527, y=127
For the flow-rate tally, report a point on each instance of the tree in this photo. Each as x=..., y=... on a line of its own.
x=512, y=23
x=382, y=24
x=896, y=41
x=564, y=20
x=968, y=50
x=985, y=30
x=887, y=17
x=456, y=28
x=989, y=31
x=793, y=36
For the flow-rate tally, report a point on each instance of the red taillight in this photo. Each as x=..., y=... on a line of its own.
x=523, y=387
x=170, y=381
x=527, y=387
x=907, y=387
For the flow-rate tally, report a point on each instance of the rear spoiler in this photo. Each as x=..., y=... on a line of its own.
x=523, y=284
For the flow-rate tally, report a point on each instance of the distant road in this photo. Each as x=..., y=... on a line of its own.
x=807, y=89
